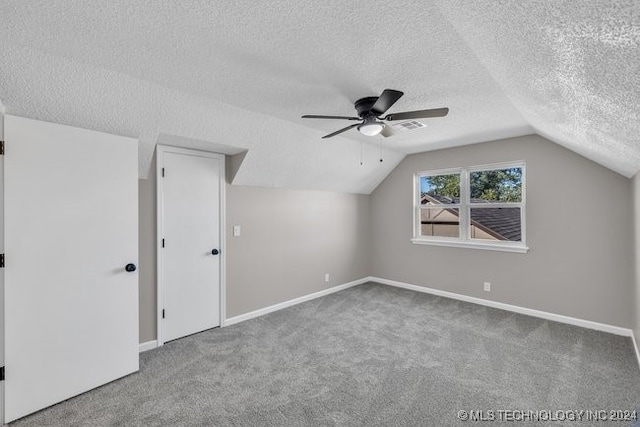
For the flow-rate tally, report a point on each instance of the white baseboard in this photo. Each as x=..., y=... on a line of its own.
x=149, y=345
x=261, y=312
x=517, y=309
x=635, y=347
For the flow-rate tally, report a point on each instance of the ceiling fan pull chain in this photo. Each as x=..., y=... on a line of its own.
x=380, y=144
x=361, y=151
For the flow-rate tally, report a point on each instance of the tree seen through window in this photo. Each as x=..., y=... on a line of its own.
x=492, y=207
x=498, y=185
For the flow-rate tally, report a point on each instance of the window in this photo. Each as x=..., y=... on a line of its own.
x=481, y=207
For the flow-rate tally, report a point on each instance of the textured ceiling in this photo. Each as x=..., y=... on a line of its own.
x=230, y=76
x=572, y=69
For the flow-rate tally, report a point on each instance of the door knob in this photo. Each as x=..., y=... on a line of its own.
x=215, y=252
x=130, y=267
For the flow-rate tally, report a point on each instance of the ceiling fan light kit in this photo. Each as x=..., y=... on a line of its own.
x=370, y=110
x=371, y=127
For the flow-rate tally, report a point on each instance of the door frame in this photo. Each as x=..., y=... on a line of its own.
x=2, y=325
x=160, y=151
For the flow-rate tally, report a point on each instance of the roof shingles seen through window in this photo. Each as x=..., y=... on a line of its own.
x=503, y=223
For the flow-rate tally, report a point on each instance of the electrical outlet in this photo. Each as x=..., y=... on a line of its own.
x=236, y=231
x=326, y=277
x=487, y=287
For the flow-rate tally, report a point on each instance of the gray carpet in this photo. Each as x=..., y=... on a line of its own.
x=369, y=355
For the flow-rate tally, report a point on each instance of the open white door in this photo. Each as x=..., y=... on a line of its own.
x=71, y=227
x=190, y=255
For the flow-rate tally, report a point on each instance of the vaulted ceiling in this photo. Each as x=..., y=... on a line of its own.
x=234, y=76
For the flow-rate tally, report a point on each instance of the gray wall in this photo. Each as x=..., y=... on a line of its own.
x=636, y=217
x=289, y=240
x=147, y=257
x=579, y=229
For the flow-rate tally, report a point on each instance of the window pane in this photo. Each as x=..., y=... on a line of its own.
x=496, y=224
x=499, y=185
x=442, y=222
x=440, y=189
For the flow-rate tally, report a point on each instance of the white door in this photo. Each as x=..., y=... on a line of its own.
x=190, y=188
x=71, y=227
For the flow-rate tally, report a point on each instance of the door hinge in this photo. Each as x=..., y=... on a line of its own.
x=1, y=260
x=1, y=373
x=163, y=243
x=1, y=147
x=163, y=313
x=163, y=172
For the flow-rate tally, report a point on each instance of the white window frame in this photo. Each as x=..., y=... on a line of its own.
x=464, y=209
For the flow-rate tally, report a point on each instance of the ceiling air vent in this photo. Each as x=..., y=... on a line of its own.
x=409, y=125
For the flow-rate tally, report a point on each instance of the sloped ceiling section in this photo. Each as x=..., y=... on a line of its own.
x=282, y=154
x=232, y=76
x=572, y=69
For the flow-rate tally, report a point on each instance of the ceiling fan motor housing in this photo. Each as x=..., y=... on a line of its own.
x=363, y=106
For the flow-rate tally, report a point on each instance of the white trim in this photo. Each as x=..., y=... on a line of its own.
x=448, y=171
x=635, y=347
x=292, y=302
x=464, y=219
x=159, y=228
x=146, y=346
x=223, y=240
x=495, y=166
x=464, y=207
x=474, y=244
x=160, y=150
x=508, y=307
x=2, y=308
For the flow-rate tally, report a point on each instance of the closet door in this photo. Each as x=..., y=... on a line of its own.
x=71, y=230
x=190, y=254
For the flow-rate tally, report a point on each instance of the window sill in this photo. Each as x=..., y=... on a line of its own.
x=502, y=247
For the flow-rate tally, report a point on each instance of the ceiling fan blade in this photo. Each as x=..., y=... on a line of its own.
x=419, y=114
x=386, y=100
x=313, y=116
x=341, y=130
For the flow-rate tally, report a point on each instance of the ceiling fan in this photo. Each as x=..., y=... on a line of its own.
x=370, y=110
